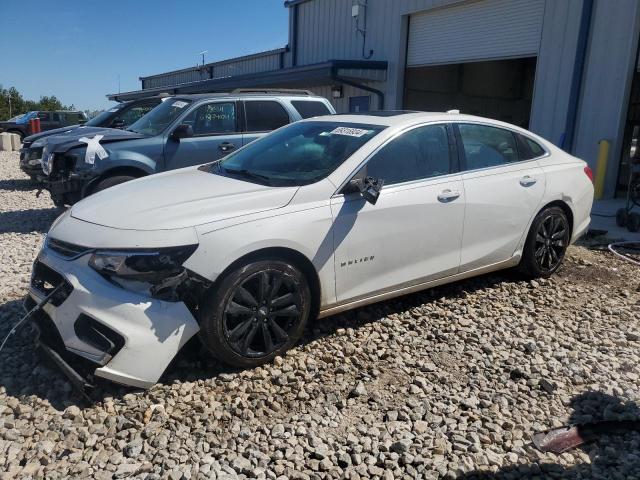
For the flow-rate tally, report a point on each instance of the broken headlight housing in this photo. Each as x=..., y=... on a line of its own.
x=46, y=161
x=152, y=266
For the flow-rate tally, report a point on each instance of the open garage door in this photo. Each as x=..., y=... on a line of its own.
x=478, y=57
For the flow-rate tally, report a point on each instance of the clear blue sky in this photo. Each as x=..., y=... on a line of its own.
x=76, y=49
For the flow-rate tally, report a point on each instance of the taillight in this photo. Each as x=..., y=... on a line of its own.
x=589, y=172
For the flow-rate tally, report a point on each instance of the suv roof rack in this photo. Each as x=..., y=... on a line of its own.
x=290, y=91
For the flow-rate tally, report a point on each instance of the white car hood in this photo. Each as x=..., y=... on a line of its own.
x=179, y=199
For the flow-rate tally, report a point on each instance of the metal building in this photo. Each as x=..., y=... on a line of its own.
x=566, y=69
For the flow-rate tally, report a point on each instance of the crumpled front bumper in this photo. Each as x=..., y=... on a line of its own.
x=30, y=162
x=100, y=329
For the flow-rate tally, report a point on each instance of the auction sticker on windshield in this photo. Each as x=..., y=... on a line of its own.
x=350, y=132
x=179, y=104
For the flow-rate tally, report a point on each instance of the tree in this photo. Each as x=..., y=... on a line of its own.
x=12, y=103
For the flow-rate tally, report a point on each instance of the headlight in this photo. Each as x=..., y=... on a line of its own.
x=142, y=265
x=46, y=161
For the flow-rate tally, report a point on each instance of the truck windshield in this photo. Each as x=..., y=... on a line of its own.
x=298, y=154
x=158, y=119
x=102, y=117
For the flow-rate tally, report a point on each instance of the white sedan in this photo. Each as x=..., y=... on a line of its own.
x=320, y=216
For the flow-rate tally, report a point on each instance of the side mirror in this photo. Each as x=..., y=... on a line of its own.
x=368, y=187
x=119, y=123
x=182, y=131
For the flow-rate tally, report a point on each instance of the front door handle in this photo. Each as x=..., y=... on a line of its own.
x=527, y=181
x=226, y=146
x=448, y=195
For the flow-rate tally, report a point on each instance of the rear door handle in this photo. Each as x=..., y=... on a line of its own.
x=226, y=146
x=448, y=195
x=527, y=181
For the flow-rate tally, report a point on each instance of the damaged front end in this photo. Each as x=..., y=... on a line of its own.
x=124, y=315
x=157, y=273
x=59, y=175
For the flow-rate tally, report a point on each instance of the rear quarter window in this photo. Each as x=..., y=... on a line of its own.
x=528, y=149
x=308, y=109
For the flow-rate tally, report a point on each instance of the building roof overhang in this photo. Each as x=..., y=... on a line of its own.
x=317, y=74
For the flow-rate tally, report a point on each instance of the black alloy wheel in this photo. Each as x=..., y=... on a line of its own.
x=256, y=312
x=551, y=241
x=261, y=313
x=546, y=243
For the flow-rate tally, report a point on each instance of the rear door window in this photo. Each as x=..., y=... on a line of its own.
x=264, y=115
x=308, y=109
x=485, y=146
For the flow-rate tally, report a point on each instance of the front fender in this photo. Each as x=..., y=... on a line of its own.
x=307, y=231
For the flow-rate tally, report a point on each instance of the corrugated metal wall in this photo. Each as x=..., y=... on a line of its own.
x=554, y=69
x=608, y=74
x=266, y=62
x=262, y=63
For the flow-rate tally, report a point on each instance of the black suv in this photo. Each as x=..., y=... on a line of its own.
x=48, y=121
x=120, y=116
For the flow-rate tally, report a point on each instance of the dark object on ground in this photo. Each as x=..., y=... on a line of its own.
x=559, y=440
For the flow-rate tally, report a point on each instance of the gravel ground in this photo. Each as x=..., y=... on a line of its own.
x=447, y=383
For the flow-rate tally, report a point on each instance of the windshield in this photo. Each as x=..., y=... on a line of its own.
x=158, y=119
x=98, y=120
x=298, y=154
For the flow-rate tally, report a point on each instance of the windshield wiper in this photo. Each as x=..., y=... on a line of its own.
x=249, y=174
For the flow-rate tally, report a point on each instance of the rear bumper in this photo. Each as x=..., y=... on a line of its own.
x=100, y=329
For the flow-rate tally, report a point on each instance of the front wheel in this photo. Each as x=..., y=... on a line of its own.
x=111, y=182
x=546, y=243
x=255, y=313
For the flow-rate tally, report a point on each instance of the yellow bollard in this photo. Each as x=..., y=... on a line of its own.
x=601, y=168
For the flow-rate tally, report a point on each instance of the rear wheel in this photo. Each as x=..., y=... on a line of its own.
x=257, y=312
x=111, y=182
x=546, y=243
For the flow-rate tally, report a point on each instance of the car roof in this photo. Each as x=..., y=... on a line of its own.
x=204, y=96
x=391, y=118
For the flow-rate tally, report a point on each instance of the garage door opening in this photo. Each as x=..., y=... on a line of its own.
x=499, y=89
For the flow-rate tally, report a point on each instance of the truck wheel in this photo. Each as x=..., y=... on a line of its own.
x=257, y=311
x=111, y=181
x=546, y=243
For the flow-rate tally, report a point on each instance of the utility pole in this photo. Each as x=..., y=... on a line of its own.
x=202, y=53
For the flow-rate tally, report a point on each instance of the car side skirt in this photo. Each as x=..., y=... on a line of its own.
x=406, y=289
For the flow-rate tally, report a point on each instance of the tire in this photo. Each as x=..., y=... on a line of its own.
x=239, y=317
x=111, y=182
x=546, y=243
x=621, y=217
x=633, y=222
